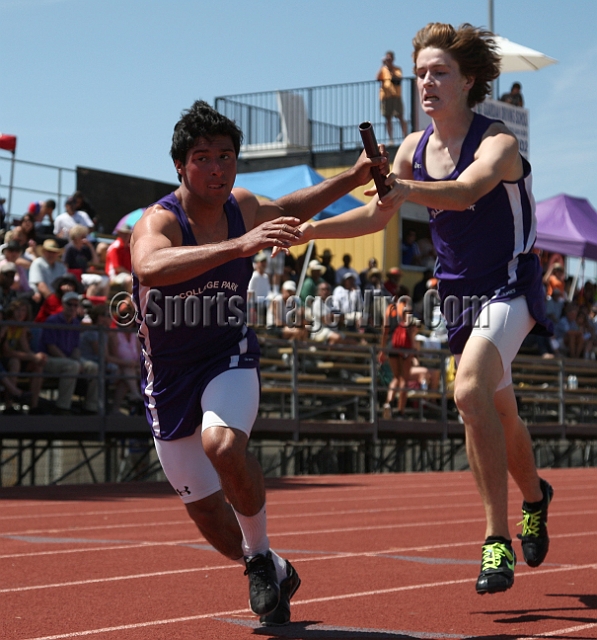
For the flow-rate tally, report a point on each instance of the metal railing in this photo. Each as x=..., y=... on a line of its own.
x=51, y=182
x=316, y=119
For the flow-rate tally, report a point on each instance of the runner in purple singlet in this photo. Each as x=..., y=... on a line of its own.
x=191, y=257
x=467, y=170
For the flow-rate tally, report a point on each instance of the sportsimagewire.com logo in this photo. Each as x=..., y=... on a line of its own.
x=191, y=311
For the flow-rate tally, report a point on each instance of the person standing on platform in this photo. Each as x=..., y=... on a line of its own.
x=390, y=95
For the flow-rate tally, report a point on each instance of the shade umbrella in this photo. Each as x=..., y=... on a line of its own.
x=128, y=220
x=517, y=57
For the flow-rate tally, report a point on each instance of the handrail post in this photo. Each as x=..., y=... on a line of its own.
x=373, y=398
x=101, y=373
x=59, y=194
x=561, y=398
x=294, y=407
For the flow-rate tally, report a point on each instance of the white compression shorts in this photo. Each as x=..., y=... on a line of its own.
x=229, y=400
x=505, y=324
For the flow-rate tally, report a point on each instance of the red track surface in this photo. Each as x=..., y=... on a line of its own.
x=380, y=556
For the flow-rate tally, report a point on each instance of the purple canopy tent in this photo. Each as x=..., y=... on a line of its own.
x=567, y=225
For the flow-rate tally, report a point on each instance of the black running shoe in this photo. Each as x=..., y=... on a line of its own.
x=288, y=587
x=535, y=541
x=497, y=568
x=264, y=591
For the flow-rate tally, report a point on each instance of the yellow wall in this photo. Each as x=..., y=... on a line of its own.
x=383, y=245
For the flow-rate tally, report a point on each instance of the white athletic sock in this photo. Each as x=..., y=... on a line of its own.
x=280, y=566
x=255, y=540
x=254, y=530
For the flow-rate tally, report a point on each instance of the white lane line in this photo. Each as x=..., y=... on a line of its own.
x=547, y=634
x=514, y=503
x=346, y=596
x=198, y=540
x=80, y=514
x=170, y=523
x=399, y=495
x=317, y=557
x=270, y=516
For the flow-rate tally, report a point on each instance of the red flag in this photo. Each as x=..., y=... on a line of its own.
x=8, y=142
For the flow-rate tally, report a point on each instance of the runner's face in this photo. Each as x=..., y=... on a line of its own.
x=210, y=169
x=439, y=81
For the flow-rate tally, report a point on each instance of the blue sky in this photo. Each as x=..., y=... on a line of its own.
x=100, y=83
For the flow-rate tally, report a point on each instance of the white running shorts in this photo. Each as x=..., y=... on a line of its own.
x=229, y=400
x=505, y=323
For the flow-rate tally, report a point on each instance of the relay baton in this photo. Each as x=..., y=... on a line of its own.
x=370, y=144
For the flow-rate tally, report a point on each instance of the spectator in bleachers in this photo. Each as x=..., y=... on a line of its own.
x=349, y=301
x=8, y=271
x=325, y=318
x=12, y=252
x=65, y=221
x=399, y=331
x=79, y=253
x=28, y=228
x=7, y=387
x=555, y=278
x=285, y=319
x=39, y=211
x=17, y=353
x=586, y=296
x=259, y=288
x=554, y=305
x=421, y=287
x=569, y=334
x=82, y=204
x=514, y=96
x=64, y=357
x=45, y=269
x=411, y=253
x=314, y=278
x=588, y=333
x=124, y=351
x=346, y=260
x=53, y=303
x=81, y=259
x=3, y=221
x=363, y=275
x=375, y=297
x=118, y=256
x=115, y=365
x=274, y=268
x=427, y=253
x=329, y=275
x=16, y=234
x=392, y=281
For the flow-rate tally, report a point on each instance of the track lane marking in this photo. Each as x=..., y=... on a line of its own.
x=547, y=634
x=346, y=596
x=316, y=557
x=198, y=540
x=331, y=514
x=277, y=516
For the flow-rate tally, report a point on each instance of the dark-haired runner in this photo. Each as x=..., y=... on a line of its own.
x=191, y=256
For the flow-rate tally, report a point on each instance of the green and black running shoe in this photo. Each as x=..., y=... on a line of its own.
x=535, y=541
x=497, y=568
